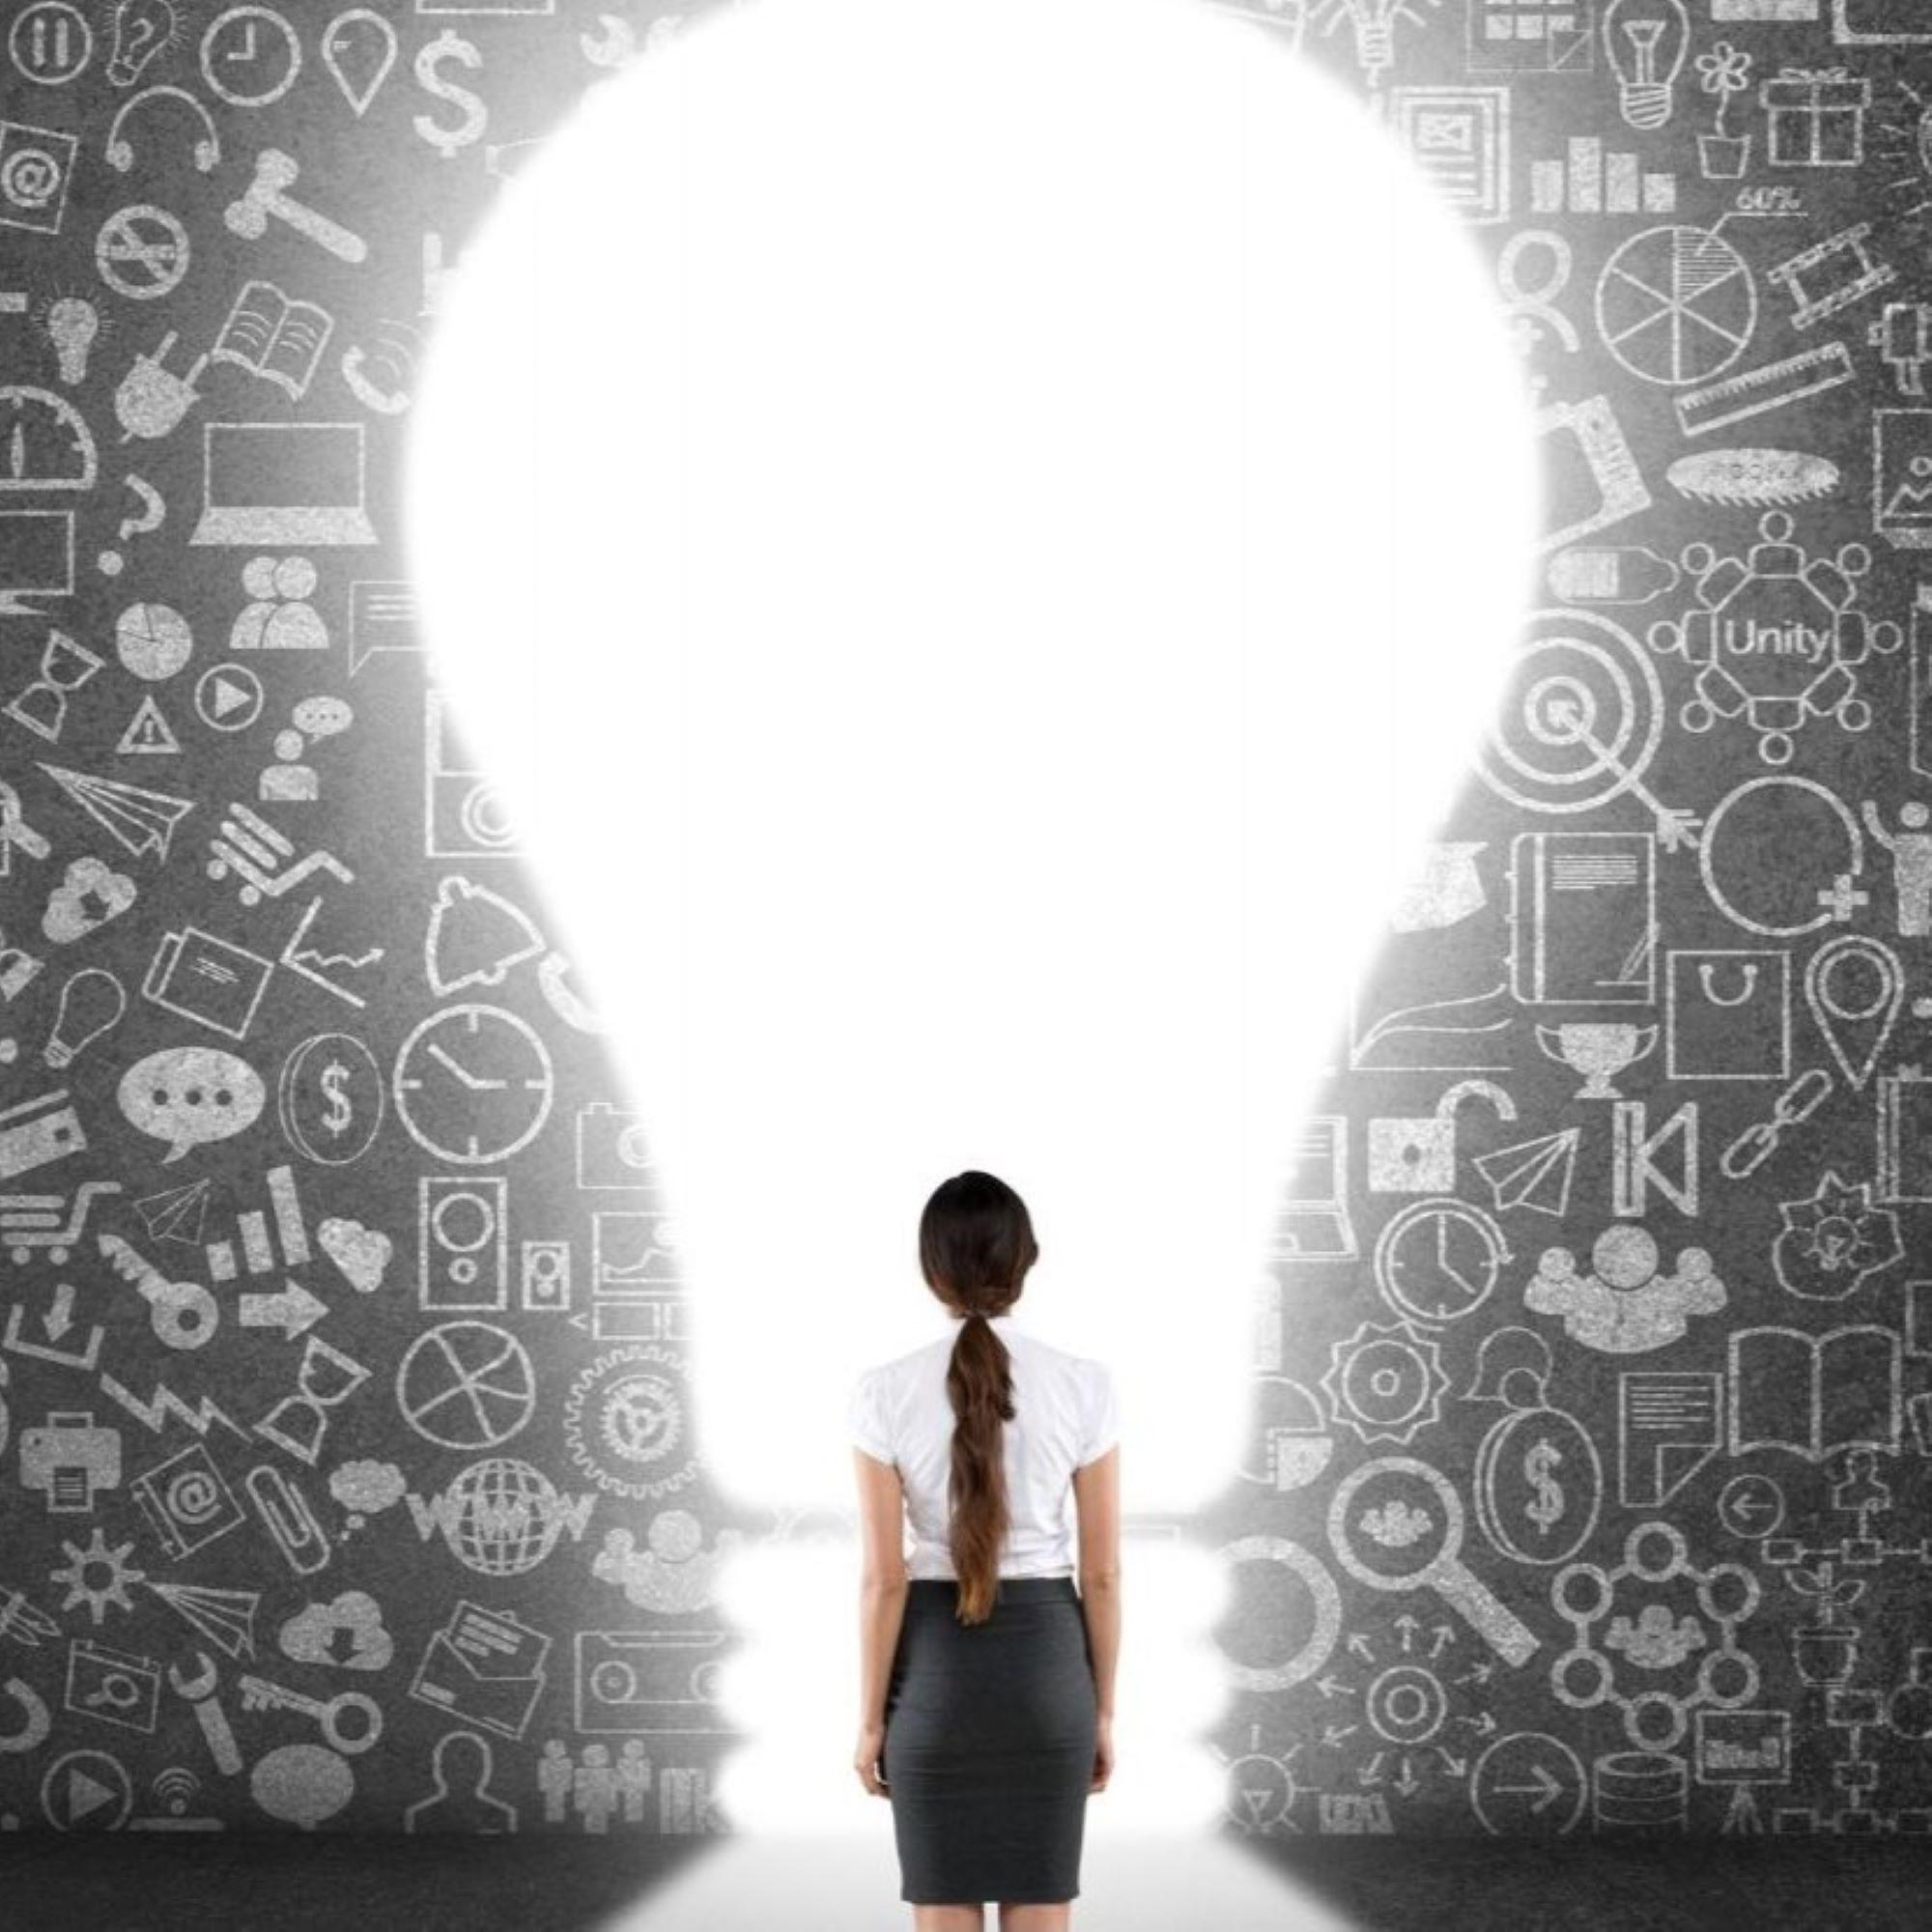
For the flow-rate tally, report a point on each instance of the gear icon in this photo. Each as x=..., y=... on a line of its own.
x=624, y=1422
x=98, y=1596
x=1385, y=1381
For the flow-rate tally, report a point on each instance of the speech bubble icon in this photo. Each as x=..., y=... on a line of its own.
x=303, y=1784
x=322, y=717
x=188, y=1096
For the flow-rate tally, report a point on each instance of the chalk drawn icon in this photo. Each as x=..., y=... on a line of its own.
x=87, y=1791
x=330, y=1099
x=474, y=1084
x=1385, y=1381
x=1751, y=1506
x=664, y=1681
x=187, y=1501
x=484, y=1666
x=114, y=1686
x=463, y=1242
x=1676, y=304
x=1539, y=1486
x=1581, y=719
x=1669, y=1424
x=1244, y=1558
x=627, y=1425
x=1411, y=1520
x=1821, y=850
x=1528, y=1785
x=50, y=44
x=467, y=1385
x=1437, y=1260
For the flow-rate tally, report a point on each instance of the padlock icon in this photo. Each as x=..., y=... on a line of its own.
x=1418, y=1156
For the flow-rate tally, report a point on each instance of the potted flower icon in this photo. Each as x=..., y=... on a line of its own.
x=1725, y=71
x=1826, y=1652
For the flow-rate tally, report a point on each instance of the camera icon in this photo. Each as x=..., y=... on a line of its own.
x=611, y=1148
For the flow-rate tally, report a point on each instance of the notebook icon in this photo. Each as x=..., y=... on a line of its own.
x=283, y=483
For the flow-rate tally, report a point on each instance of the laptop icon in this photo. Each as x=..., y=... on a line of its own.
x=1312, y=1219
x=283, y=483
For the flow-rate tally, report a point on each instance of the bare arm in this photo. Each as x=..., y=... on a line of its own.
x=1096, y=1501
x=882, y=1588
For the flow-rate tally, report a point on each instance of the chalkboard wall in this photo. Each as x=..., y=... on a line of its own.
x=1590, y=1495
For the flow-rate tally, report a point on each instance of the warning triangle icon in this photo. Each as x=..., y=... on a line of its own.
x=148, y=730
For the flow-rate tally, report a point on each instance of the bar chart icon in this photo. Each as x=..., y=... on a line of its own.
x=1585, y=180
x=258, y=1254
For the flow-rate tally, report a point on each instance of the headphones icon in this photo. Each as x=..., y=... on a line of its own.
x=206, y=149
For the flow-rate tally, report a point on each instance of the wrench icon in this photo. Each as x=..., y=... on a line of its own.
x=200, y=1691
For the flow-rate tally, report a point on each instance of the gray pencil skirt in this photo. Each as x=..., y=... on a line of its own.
x=990, y=1732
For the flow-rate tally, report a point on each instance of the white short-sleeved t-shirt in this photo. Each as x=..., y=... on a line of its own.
x=1066, y=1416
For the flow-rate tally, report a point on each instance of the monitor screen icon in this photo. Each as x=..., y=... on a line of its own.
x=283, y=483
x=35, y=558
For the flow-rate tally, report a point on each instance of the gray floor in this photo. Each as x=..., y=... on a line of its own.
x=239, y=1883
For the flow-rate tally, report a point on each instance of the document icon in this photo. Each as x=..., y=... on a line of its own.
x=486, y=1668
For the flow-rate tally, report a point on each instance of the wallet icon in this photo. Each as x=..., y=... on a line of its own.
x=484, y=1667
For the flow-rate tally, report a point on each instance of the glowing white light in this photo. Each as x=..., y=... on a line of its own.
x=978, y=543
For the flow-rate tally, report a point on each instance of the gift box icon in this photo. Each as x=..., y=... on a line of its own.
x=1816, y=117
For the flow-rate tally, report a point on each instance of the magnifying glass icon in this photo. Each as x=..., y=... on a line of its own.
x=1412, y=1519
x=118, y=1688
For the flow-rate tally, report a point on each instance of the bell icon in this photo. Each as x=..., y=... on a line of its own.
x=475, y=936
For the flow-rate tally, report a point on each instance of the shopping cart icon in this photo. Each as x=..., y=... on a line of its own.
x=30, y=1221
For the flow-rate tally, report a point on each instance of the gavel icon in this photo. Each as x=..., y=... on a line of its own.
x=275, y=171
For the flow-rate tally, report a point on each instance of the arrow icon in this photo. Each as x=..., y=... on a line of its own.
x=1543, y=1789
x=293, y=1311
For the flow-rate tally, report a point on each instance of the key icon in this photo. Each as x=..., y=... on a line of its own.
x=184, y=1313
x=365, y=1727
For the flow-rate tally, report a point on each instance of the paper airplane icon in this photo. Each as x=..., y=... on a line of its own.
x=224, y=1617
x=175, y=1213
x=1532, y=1173
x=140, y=820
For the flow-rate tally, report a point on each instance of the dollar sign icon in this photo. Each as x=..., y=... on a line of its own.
x=1548, y=1505
x=334, y=1076
x=450, y=46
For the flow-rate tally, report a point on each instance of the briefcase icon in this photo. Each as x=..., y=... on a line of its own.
x=486, y=1668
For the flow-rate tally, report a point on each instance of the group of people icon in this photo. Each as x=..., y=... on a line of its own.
x=594, y=1787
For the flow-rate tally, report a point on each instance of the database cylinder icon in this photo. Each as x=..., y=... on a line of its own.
x=978, y=547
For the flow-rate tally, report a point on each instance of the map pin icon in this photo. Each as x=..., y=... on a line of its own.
x=1855, y=986
x=359, y=43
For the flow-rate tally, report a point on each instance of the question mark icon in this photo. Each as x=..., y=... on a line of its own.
x=152, y=511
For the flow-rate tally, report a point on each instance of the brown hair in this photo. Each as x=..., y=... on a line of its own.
x=976, y=1244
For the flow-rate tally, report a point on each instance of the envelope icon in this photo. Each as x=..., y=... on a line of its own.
x=484, y=1667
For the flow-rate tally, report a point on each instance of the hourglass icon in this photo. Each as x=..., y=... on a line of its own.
x=324, y=1379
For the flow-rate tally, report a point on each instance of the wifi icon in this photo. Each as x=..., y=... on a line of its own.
x=176, y=1788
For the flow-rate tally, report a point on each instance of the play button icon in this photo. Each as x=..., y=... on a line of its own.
x=86, y=1791
x=228, y=696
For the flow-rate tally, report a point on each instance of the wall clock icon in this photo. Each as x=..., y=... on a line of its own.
x=474, y=1084
x=1437, y=1260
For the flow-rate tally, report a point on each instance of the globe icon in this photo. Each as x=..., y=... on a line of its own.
x=502, y=1516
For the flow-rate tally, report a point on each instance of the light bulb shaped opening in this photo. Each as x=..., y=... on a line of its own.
x=979, y=553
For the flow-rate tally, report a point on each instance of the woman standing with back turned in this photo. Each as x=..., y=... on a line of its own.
x=987, y=1675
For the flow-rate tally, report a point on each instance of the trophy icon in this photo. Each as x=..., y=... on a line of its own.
x=1598, y=1049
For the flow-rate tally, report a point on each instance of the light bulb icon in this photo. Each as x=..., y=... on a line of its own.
x=1646, y=42
x=91, y=1004
x=992, y=590
x=142, y=28
x=72, y=323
